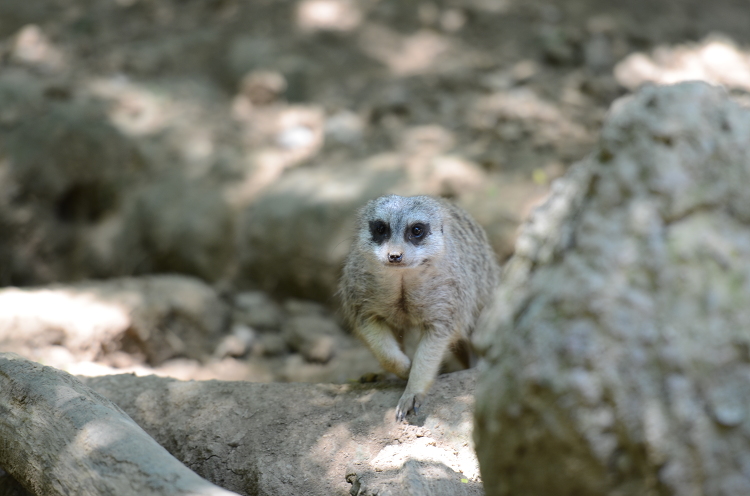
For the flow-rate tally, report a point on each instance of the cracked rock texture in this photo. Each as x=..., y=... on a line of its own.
x=617, y=352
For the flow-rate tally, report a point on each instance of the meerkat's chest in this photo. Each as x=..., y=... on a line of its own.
x=406, y=299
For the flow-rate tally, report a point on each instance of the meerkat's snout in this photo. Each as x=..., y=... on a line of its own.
x=395, y=257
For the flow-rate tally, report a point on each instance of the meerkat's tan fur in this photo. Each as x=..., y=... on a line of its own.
x=418, y=264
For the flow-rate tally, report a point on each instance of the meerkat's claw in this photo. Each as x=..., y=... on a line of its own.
x=408, y=403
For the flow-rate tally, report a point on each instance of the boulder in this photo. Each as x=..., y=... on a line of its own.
x=616, y=354
x=64, y=170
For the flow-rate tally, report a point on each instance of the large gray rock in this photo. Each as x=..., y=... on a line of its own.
x=63, y=173
x=617, y=350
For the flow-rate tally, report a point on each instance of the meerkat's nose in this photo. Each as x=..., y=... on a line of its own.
x=395, y=257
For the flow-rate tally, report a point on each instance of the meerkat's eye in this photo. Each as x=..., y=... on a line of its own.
x=379, y=231
x=417, y=233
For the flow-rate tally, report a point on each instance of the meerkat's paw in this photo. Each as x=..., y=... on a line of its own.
x=409, y=402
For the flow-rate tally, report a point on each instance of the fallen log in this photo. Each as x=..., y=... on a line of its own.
x=58, y=437
x=270, y=439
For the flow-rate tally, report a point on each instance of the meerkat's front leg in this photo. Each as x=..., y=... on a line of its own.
x=424, y=370
x=383, y=344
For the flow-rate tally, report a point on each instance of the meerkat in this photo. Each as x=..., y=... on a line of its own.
x=418, y=265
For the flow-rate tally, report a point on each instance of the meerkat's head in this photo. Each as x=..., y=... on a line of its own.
x=402, y=232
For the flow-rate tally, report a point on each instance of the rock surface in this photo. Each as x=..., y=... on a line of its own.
x=323, y=439
x=616, y=351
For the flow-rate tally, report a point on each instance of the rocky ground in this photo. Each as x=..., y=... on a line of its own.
x=180, y=327
x=231, y=141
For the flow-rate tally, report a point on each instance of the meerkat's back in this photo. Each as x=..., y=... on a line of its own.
x=418, y=264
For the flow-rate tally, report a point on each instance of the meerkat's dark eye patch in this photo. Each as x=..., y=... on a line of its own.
x=416, y=233
x=380, y=231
